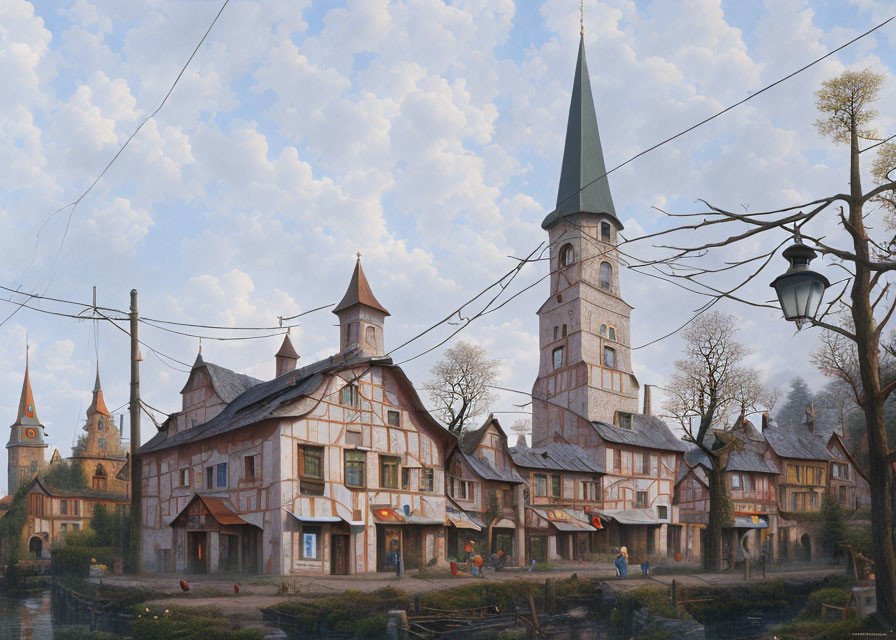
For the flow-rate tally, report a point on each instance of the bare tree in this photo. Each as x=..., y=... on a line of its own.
x=709, y=384
x=868, y=264
x=460, y=385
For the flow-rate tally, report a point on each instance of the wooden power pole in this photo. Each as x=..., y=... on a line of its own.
x=136, y=468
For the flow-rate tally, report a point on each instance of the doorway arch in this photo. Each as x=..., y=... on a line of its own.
x=35, y=547
x=807, y=547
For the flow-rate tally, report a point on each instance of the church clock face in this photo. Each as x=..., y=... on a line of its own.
x=31, y=433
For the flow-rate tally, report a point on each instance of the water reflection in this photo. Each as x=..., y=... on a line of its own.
x=28, y=618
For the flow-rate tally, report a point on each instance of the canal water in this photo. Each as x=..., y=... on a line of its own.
x=29, y=618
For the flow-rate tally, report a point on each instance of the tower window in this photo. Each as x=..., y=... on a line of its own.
x=567, y=255
x=606, y=276
x=605, y=231
x=558, y=357
x=603, y=329
x=556, y=332
x=612, y=333
x=99, y=424
x=563, y=333
x=610, y=357
x=370, y=336
x=352, y=333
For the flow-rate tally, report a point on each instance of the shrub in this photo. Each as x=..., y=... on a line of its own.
x=821, y=630
x=76, y=561
x=201, y=623
x=835, y=596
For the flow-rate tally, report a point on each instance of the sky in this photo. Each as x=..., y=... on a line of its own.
x=425, y=135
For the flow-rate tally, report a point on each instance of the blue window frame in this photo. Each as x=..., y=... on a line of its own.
x=222, y=474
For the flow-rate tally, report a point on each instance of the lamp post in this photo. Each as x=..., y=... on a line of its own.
x=800, y=290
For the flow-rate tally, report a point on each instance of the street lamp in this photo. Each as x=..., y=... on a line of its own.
x=800, y=289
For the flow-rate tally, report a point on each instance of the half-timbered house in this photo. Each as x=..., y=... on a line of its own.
x=335, y=467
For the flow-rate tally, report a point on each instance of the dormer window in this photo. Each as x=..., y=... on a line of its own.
x=623, y=420
x=567, y=255
x=605, y=231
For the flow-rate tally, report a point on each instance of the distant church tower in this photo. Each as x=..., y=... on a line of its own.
x=99, y=448
x=585, y=364
x=361, y=316
x=25, y=449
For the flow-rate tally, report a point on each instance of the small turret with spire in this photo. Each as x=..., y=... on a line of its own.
x=361, y=316
x=286, y=357
x=25, y=449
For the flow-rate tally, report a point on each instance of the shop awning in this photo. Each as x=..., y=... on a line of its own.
x=562, y=520
x=751, y=522
x=200, y=507
x=631, y=516
x=461, y=520
x=387, y=515
x=321, y=519
x=417, y=519
x=504, y=523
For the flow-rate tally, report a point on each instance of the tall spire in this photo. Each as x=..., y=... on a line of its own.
x=27, y=409
x=359, y=292
x=583, y=186
x=98, y=404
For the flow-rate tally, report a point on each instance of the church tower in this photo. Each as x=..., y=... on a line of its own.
x=25, y=449
x=361, y=316
x=585, y=369
x=99, y=448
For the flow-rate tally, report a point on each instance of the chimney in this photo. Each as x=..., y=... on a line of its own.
x=764, y=421
x=647, y=406
x=810, y=418
x=286, y=358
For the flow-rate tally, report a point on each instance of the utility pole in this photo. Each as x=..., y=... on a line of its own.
x=136, y=468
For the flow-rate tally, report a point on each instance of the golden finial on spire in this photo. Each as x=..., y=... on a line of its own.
x=581, y=17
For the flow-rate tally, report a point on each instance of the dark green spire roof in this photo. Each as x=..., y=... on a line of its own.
x=583, y=157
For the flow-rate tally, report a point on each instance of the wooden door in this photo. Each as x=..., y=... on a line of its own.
x=339, y=556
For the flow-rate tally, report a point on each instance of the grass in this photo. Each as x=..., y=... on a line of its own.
x=188, y=623
x=120, y=598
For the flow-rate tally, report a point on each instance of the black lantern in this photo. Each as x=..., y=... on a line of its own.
x=800, y=289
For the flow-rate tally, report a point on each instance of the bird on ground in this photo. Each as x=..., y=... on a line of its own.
x=184, y=586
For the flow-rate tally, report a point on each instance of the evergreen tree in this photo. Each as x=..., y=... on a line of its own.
x=793, y=411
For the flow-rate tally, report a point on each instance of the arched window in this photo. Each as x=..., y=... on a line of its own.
x=603, y=329
x=605, y=231
x=370, y=336
x=606, y=276
x=567, y=255
x=99, y=481
x=612, y=333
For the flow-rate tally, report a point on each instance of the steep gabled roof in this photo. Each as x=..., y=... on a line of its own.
x=227, y=384
x=469, y=440
x=583, y=184
x=27, y=414
x=97, y=404
x=796, y=442
x=287, y=350
x=484, y=469
x=556, y=456
x=836, y=437
x=359, y=292
x=647, y=431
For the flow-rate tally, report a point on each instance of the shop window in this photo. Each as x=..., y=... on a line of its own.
x=355, y=469
x=310, y=549
x=389, y=466
x=311, y=470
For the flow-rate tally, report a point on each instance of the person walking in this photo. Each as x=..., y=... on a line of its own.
x=621, y=563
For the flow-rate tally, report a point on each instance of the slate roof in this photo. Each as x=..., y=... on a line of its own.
x=485, y=470
x=229, y=384
x=261, y=400
x=557, y=456
x=647, y=431
x=469, y=440
x=796, y=442
x=583, y=184
x=287, y=350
